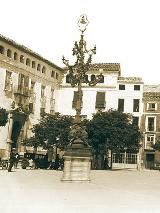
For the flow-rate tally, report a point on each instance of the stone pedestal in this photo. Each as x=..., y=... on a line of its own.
x=77, y=164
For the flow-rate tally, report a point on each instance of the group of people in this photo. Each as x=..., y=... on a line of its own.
x=35, y=163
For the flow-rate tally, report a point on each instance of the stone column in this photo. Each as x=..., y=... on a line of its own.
x=77, y=164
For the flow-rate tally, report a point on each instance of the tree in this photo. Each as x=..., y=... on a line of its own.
x=3, y=117
x=113, y=130
x=51, y=130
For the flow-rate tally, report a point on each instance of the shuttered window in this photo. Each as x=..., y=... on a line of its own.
x=135, y=105
x=121, y=105
x=100, y=100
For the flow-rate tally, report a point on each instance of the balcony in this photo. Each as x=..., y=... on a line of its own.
x=149, y=145
x=21, y=90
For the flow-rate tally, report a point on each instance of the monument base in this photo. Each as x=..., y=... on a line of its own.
x=77, y=165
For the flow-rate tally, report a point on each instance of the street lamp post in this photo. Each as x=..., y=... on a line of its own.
x=77, y=158
x=77, y=72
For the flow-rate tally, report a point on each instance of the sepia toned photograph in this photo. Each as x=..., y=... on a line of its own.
x=79, y=106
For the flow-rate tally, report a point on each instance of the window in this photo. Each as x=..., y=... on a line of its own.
x=23, y=84
x=53, y=74
x=57, y=75
x=151, y=126
x=9, y=53
x=68, y=78
x=101, y=78
x=30, y=107
x=121, y=105
x=15, y=56
x=28, y=62
x=121, y=87
x=151, y=106
x=85, y=79
x=135, y=105
x=42, y=91
x=93, y=77
x=100, y=100
x=135, y=121
x=1, y=49
x=38, y=67
x=22, y=59
x=33, y=64
x=8, y=81
x=150, y=140
x=43, y=69
x=136, y=87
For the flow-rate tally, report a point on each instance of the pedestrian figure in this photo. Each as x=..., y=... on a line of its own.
x=17, y=156
x=56, y=164
x=11, y=161
x=31, y=163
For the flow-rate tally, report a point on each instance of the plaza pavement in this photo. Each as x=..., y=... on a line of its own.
x=41, y=191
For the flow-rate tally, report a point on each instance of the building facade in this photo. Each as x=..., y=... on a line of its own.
x=113, y=92
x=150, y=125
x=30, y=83
x=27, y=84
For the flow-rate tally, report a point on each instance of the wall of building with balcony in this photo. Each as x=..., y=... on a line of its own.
x=23, y=73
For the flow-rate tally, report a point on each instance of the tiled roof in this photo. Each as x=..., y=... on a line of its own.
x=27, y=50
x=106, y=66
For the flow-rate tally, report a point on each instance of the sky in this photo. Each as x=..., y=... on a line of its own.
x=124, y=31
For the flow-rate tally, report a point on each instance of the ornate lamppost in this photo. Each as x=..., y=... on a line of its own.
x=77, y=158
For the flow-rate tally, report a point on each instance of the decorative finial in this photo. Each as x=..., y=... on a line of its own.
x=83, y=22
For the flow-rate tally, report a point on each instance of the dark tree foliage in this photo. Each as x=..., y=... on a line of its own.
x=51, y=130
x=3, y=117
x=114, y=130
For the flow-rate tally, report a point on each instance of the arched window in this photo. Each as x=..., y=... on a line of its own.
x=38, y=67
x=9, y=53
x=1, y=49
x=33, y=64
x=93, y=77
x=53, y=74
x=101, y=78
x=22, y=59
x=67, y=78
x=15, y=56
x=28, y=62
x=43, y=69
x=85, y=79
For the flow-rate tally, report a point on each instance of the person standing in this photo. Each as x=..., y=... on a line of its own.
x=16, y=160
x=56, y=164
x=11, y=161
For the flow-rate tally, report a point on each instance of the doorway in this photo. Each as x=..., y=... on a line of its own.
x=15, y=133
x=150, y=161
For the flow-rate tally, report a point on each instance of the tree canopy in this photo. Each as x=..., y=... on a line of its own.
x=113, y=129
x=3, y=117
x=52, y=129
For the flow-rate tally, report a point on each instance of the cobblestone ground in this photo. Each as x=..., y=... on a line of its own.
x=41, y=191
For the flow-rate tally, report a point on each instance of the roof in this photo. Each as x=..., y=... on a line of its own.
x=106, y=66
x=151, y=88
x=27, y=50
